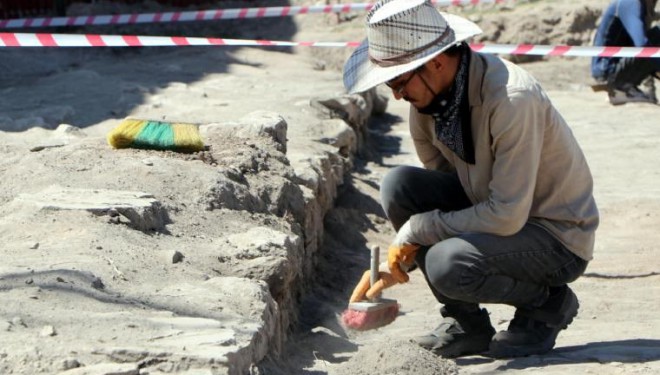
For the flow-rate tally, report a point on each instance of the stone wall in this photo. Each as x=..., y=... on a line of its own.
x=171, y=262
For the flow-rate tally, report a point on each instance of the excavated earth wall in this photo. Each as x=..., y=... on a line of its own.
x=138, y=261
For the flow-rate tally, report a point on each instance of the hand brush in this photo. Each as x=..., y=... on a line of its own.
x=375, y=312
x=157, y=135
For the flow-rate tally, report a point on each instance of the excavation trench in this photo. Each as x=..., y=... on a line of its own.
x=318, y=342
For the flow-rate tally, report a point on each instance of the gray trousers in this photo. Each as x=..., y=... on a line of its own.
x=474, y=268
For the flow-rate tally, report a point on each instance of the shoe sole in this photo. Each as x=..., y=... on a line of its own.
x=618, y=103
x=500, y=350
x=476, y=345
x=622, y=101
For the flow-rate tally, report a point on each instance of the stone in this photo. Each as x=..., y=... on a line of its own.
x=177, y=257
x=143, y=210
x=105, y=369
x=257, y=124
x=69, y=363
x=47, y=331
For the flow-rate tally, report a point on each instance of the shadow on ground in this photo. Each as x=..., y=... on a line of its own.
x=319, y=335
x=44, y=87
x=624, y=351
x=381, y=143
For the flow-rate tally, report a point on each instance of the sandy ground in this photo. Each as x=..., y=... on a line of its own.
x=617, y=330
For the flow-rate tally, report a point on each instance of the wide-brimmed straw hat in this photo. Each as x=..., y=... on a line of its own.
x=401, y=36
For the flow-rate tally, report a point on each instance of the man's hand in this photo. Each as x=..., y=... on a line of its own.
x=398, y=255
x=402, y=252
x=364, y=288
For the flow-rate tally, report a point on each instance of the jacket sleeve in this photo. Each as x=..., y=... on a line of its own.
x=517, y=125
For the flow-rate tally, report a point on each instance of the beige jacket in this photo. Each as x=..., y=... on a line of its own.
x=529, y=167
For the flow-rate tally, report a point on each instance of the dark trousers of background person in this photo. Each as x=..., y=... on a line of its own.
x=474, y=268
x=633, y=70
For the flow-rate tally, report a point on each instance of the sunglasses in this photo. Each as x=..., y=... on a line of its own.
x=399, y=87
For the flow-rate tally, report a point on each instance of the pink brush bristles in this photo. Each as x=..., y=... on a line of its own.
x=373, y=313
x=361, y=319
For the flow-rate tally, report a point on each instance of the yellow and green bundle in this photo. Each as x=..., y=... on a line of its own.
x=157, y=135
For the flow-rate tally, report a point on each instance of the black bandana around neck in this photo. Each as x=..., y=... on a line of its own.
x=451, y=112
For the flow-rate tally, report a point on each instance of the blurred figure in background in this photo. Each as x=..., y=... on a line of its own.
x=628, y=23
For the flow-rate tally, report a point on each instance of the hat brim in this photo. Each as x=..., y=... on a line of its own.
x=361, y=74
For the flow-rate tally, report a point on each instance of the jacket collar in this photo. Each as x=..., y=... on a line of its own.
x=477, y=68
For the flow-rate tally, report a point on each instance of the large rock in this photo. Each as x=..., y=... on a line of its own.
x=142, y=210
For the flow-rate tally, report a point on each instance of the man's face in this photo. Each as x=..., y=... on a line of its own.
x=417, y=87
x=399, y=84
x=406, y=85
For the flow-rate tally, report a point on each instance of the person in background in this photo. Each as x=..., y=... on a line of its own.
x=503, y=210
x=627, y=23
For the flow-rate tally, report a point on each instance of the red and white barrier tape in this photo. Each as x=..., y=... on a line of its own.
x=90, y=40
x=580, y=51
x=205, y=15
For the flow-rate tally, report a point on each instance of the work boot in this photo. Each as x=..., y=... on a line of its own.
x=648, y=87
x=629, y=94
x=459, y=334
x=535, y=331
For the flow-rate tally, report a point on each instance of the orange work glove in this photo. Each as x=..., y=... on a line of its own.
x=398, y=255
x=364, y=288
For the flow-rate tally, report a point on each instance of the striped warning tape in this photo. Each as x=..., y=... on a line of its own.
x=90, y=40
x=580, y=51
x=206, y=15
